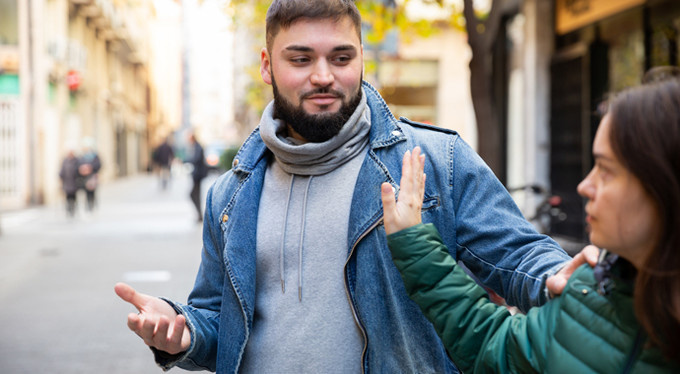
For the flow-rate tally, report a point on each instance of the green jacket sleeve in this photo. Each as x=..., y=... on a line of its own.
x=479, y=335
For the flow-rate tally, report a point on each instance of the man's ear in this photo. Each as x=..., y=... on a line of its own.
x=363, y=62
x=265, y=66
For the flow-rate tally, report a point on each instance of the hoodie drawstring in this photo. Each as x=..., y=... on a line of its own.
x=302, y=236
x=283, y=239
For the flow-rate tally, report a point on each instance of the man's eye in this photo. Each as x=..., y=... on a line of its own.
x=342, y=60
x=299, y=60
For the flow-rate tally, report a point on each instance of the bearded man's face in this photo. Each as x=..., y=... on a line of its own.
x=318, y=65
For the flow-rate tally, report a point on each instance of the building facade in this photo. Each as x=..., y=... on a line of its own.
x=601, y=46
x=71, y=70
x=558, y=61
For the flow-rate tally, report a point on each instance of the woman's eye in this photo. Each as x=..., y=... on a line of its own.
x=604, y=173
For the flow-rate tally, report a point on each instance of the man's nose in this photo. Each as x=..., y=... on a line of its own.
x=322, y=75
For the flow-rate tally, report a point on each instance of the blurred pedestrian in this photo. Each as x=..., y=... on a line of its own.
x=199, y=171
x=623, y=315
x=89, y=171
x=70, y=180
x=163, y=157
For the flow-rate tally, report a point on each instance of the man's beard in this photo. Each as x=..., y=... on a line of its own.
x=316, y=128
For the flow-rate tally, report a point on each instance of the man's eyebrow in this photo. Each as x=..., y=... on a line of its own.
x=303, y=48
x=345, y=47
x=299, y=48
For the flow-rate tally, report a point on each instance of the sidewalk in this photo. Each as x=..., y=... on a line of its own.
x=57, y=275
x=116, y=195
x=134, y=206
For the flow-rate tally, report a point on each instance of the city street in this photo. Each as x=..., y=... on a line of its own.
x=59, y=311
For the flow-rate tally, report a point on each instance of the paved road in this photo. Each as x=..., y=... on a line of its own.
x=58, y=311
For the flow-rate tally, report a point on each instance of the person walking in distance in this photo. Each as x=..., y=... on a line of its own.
x=198, y=172
x=69, y=180
x=163, y=157
x=296, y=275
x=89, y=167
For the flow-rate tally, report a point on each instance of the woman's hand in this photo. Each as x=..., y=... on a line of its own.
x=405, y=212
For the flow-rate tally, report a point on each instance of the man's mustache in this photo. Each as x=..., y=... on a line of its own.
x=322, y=91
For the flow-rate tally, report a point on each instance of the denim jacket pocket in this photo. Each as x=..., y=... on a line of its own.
x=430, y=203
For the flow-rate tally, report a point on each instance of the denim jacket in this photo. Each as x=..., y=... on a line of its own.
x=477, y=218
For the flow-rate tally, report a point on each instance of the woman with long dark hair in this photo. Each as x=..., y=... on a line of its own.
x=621, y=316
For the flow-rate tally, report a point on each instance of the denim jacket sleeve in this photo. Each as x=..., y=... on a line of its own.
x=493, y=240
x=203, y=311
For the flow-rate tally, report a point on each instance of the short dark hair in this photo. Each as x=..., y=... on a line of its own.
x=283, y=13
x=645, y=136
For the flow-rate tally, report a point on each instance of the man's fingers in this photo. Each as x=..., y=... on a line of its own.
x=144, y=327
x=148, y=330
x=175, y=338
x=160, y=336
x=129, y=294
x=169, y=334
x=157, y=323
x=134, y=322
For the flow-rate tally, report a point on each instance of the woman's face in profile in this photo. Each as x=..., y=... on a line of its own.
x=621, y=216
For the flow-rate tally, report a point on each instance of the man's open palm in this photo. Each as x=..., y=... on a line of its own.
x=157, y=323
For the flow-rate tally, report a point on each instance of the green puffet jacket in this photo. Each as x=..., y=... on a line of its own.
x=582, y=331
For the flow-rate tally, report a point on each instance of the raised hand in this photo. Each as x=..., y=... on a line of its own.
x=157, y=323
x=405, y=212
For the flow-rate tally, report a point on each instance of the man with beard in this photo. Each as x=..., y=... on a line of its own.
x=296, y=275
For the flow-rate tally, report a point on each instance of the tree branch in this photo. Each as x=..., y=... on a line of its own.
x=492, y=24
x=471, y=23
x=481, y=35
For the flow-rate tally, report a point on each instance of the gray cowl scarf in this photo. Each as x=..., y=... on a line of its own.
x=316, y=158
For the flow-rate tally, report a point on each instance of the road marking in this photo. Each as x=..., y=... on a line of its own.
x=147, y=276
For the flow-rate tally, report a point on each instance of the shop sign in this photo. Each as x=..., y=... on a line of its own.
x=9, y=59
x=73, y=80
x=573, y=14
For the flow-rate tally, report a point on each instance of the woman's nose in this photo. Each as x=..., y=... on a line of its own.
x=586, y=188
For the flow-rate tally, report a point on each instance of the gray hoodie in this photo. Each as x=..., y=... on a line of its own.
x=303, y=320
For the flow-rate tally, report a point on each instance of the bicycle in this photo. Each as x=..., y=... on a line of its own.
x=548, y=211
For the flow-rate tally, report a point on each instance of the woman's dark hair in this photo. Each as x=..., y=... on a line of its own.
x=282, y=14
x=645, y=135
